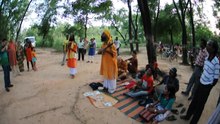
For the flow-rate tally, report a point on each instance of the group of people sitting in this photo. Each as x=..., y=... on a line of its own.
x=141, y=86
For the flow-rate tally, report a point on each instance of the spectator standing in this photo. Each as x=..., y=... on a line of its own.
x=5, y=64
x=208, y=80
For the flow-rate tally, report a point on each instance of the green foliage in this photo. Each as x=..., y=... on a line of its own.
x=10, y=17
x=82, y=9
x=203, y=32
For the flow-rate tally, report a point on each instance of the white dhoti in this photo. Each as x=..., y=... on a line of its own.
x=110, y=84
x=73, y=71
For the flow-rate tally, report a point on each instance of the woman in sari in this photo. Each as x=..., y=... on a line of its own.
x=109, y=68
x=12, y=57
x=20, y=57
x=71, y=56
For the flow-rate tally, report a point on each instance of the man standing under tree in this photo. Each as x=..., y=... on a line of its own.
x=197, y=70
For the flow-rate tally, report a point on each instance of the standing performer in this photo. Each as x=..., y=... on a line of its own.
x=109, y=68
x=71, y=56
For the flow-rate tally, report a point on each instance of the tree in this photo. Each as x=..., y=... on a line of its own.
x=82, y=10
x=10, y=17
x=118, y=19
x=22, y=19
x=48, y=9
x=181, y=9
x=146, y=19
x=168, y=24
x=130, y=25
x=216, y=12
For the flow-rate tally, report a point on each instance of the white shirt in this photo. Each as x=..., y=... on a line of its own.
x=81, y=44
x=210, y=71
x=117, y=43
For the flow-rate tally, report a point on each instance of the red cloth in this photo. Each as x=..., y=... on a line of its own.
x=130, y=85
x=149, y=80
x=28, y=54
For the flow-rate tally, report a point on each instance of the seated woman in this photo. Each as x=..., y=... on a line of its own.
x=133, y=64
x=144, y=87
x=122, y=69
x=160, y=109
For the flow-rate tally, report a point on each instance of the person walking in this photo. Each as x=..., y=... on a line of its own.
x=109, y=68
x=65, y=42
x=208, y=80
x=5, y=64
x=197, y=70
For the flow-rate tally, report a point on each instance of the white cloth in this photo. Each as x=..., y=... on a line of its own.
x=73, y=71
x=161, y=117
x=117, y=43
x=110, y=84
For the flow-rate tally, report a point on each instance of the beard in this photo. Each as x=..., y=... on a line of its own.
x=103, y=39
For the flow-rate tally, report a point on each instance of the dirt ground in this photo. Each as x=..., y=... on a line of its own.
x=50, y=96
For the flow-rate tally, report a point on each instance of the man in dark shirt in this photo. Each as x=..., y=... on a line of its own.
x=168, y=80
x=133, y=64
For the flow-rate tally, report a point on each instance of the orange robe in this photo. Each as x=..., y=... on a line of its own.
x=122, y=67
x=109, y=68
x=12, y=53
x=71, y=62
x=28, y=54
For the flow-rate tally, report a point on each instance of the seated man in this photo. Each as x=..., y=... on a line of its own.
x=168, y=80
x=122, y=69
x=144, y=87
x=133, y=64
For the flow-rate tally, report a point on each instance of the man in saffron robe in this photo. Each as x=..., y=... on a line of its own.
x=71, y=55
x=109, y=68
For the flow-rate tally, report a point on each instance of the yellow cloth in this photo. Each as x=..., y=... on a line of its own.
x=65, y=42
x=109, y=68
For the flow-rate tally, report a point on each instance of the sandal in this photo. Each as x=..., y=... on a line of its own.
x=183, y=110
x=171, y=118
x=175, y=111
x=179, y=105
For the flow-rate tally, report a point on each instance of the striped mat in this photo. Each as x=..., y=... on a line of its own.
x=126, y=104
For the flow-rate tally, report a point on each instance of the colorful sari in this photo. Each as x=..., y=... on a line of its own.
x=71, y=56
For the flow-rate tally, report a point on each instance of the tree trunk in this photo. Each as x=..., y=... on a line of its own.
x=183, y=7
x=85, y=26
x=156, y=21
x=146, y=19
x=22, y=19
x=43, y=42
x=184, y=43
x=130, y=24
x=192, y=26
x=136, y=32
